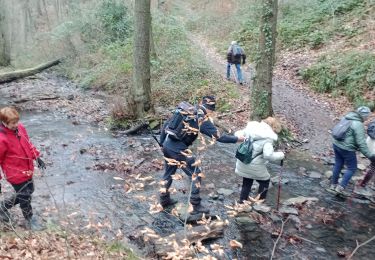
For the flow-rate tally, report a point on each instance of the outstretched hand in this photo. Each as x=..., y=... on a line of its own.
x=41, y=164
x=241, y=139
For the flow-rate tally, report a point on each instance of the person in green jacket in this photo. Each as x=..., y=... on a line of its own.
x=345, y=150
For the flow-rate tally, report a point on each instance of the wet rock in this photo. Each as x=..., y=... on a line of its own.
x=315, y=175
x=361, y=167
x=275, y=218
x=328, y=174
x=262, y=208
x=221, y=197
x=309, y=226
x=213, y=196
x=302, y=171
x=275, y=180
x=320, y=249
x=225, y=192
x=82, y=150
x=296, y=220
x=363, y=191
x=245, y=221
x=325, y=183
x=299, y=200
x=288, y=210
x=70, y=97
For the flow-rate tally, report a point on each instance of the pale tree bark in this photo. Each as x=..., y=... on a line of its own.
x=4, y=45
x=141, y=89
x=261, y=95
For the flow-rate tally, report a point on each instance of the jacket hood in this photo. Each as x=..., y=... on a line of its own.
x=257, y=131
x=354, y=116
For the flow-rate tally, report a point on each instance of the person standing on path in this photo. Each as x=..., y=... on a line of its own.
x=345, y=150
x=235, y=55
x=17, y=155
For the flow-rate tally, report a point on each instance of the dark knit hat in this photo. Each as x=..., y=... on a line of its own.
x=209, y=102
x=371, y=129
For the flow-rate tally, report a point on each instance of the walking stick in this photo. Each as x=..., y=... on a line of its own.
x=279, y=189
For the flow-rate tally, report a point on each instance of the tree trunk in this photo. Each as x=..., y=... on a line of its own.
x=261, y=95
x=141, y=90
x=4, y=46
x=13, y=75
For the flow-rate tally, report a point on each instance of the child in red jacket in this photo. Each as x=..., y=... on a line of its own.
x=17, y=154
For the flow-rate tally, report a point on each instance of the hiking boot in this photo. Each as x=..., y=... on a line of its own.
x=332, y=188
x=5, y=216
x=199, y=209
x=341, y=191
x=166, y=201
x=33, y=224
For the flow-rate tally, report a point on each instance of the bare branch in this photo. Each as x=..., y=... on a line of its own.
x=360, y=245
x=278, y=238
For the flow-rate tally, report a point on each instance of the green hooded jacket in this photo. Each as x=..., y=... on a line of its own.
x=355, y=138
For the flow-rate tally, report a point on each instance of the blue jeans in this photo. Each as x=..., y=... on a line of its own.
x=344, y=157
x=239, y=72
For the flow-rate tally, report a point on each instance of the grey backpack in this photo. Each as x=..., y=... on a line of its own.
x=340, y=129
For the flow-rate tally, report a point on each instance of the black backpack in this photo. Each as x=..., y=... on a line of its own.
x=185, y=116
x=340, y=129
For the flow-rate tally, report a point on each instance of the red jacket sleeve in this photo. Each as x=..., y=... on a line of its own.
x=35, y=153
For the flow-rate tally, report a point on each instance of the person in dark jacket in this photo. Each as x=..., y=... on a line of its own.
x=17, y=154
x=345, y=150
x=235, y=55
x=174, y=149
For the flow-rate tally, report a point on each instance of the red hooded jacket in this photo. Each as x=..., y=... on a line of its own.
x=17, y=155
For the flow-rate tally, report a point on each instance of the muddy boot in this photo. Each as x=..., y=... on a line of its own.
x=33, y=224
x=166, y=201
x=5, y=215
x=199, y=209
x=341, y=191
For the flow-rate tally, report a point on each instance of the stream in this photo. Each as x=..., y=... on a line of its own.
x=78, y=189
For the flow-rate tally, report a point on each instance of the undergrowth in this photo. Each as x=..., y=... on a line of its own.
x=347, y=73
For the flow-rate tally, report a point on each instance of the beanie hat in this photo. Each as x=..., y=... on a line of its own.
x=233, y=42
x=364, y=112
x=371, y=129
x=209, y=102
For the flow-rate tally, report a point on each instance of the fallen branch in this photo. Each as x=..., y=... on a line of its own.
x=134, y=129
x=360, y=245
x=230, y=113
x=278, y=238
x=13, y=75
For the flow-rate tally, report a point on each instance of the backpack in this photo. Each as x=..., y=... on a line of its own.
x=371, y=129
x=340, y=129
x=244, y=151
x=236, y=51
x=184, y=115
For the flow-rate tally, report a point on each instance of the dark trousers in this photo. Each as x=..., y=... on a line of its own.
x=370, y=171
x=189, y=170
x=246, y=188
x=23, y=197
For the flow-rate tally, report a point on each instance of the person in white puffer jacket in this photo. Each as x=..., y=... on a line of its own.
x=370, y=141
x=264, y=135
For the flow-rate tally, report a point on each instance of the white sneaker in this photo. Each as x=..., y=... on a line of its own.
x=341, y=191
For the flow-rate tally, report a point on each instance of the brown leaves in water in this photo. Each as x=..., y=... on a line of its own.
x=48, y=245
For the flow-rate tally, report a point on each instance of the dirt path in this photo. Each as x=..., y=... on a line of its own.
x=312, y=118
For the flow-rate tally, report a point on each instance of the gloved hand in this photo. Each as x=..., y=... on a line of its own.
x=41, y=164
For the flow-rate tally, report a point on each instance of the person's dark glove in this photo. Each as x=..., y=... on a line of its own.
x=372, y=159
x=41, y=164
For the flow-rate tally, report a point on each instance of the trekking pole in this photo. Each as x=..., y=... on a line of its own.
x=153, y=136
x=279, y=188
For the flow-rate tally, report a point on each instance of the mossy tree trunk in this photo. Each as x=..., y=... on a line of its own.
x=141, y=90
x=261, y=95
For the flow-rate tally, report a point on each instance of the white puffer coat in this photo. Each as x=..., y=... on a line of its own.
x=263, y=137
x=371, y=144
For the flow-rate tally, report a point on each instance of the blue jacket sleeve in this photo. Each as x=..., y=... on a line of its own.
x=208, y=128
